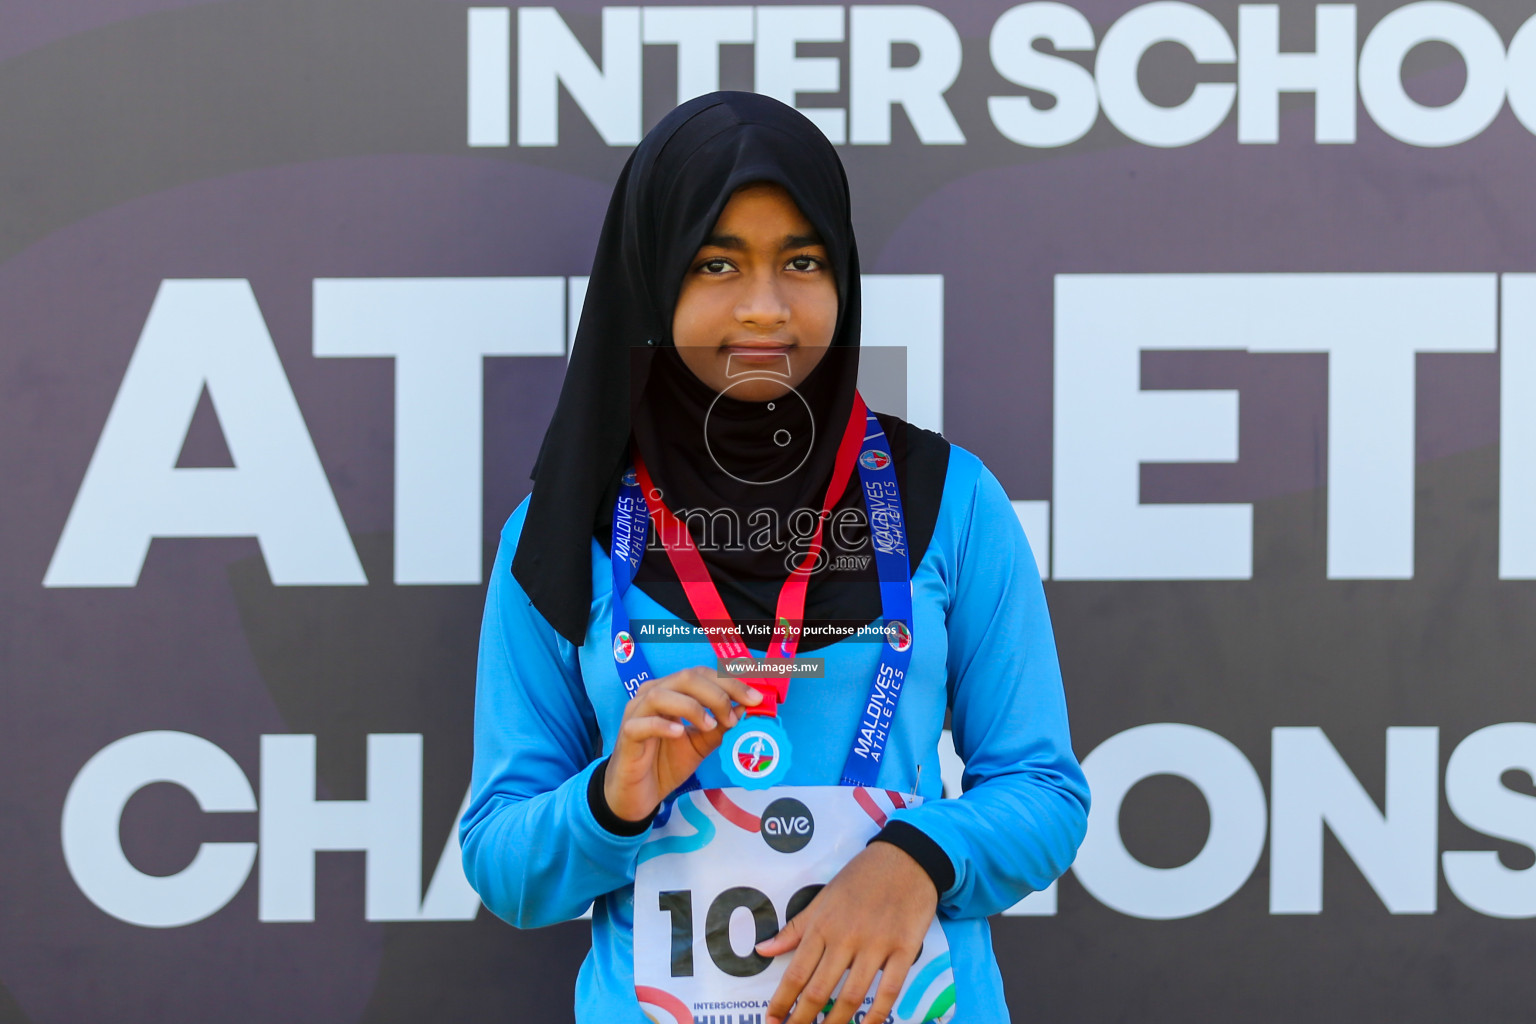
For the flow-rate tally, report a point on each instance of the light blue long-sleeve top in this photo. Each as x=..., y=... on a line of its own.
x=546, y=713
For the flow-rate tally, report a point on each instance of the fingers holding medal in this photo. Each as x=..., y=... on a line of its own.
x=669, y=727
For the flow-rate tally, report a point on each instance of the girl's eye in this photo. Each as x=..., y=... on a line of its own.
x=805, y=263
x=715, y=266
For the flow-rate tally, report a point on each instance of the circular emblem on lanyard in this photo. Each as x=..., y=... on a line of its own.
x=898, y=635
x=755, y=754
x=623, y=646
x=874, y=459
x=630, y=479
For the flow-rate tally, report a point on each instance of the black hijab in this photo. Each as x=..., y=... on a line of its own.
x=706, y=452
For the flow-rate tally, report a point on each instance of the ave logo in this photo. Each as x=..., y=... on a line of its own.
x=787, y=825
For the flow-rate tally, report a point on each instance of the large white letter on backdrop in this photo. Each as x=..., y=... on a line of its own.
x=549, y=55
x=1381, y=73
x=875, y=86
x=1263, y=73
x=909, y=309
x=1106, y=426
x=1128, y=40
x=295, y=825
x=1370, y=325
x=439, y=331
x=1232, y=791
x=1394, y=848
x=781, y=73
x=1520, y=74
x=1517, y=425
x=1012, y=46
x=204, y=334
x=93, y=812
x=490, y=76
x=698, y=33
x=1479, y=799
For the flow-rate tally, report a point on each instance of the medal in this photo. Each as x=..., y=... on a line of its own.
x=755, y=754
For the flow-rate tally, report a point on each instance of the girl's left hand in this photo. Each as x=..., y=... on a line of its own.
x=871, y=917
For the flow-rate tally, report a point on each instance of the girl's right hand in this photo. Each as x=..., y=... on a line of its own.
x=655, y=751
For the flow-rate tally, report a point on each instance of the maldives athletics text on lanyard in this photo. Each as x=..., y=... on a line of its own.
x=756, y=753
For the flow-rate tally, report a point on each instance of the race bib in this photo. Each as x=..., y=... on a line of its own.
x=726, y=871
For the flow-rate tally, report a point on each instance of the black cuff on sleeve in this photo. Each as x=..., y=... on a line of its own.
x=915, y=843
x=612, y=822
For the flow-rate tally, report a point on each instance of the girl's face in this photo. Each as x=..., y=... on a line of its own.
x=758, y=305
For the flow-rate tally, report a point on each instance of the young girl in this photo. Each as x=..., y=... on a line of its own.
x=760, y=844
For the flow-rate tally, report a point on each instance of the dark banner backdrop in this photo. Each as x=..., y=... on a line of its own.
x=1238, y=302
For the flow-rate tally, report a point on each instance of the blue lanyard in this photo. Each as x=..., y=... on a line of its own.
x=630, y=522
x=888, y=533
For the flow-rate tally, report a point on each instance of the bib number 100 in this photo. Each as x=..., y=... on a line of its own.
x=717, y=927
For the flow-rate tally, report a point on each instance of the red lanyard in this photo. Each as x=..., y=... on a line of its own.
x=789, y=612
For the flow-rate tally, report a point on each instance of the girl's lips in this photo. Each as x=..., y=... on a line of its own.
x=758, y=351
x=772, y=359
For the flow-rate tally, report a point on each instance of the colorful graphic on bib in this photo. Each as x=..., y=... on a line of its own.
x=875, y=811
x=931, y=994
x=623, y=646
x=787, y=825
x=898, y=635
x=674, y=1008
x=703, y=832
x=874, y=459
x=732, y=811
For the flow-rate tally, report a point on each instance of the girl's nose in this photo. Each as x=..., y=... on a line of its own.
x=763, y=303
